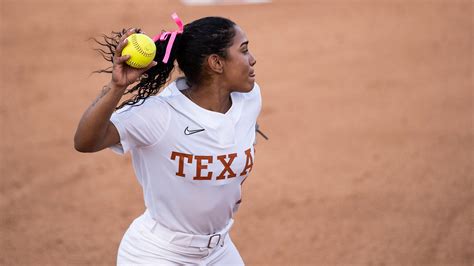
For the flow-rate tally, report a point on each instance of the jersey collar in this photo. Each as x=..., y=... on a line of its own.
x=185, y=106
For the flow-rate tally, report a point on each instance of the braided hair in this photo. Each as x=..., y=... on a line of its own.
x=200, y=39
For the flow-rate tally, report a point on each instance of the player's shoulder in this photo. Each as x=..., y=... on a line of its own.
x=149, y=107
x=173, y=96
x=150, y=102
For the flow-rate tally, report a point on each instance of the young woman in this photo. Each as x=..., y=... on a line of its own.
x=191, y=144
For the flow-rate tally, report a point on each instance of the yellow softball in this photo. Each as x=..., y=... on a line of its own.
x=141, y=49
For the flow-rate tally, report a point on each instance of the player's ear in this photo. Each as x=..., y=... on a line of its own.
x=216, y=64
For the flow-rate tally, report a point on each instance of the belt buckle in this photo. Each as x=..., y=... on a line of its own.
x=210, y=239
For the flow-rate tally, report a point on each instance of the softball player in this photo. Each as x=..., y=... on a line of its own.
x=191, y=145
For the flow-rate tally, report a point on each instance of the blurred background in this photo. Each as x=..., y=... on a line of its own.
x=368, y=106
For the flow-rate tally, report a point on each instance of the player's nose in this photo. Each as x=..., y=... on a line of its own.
x=252, y=60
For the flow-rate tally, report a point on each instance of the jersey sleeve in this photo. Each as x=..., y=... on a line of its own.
x=141, y=126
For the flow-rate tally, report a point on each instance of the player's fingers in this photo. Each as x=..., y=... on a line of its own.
x=123, y=42
x=128, y=33
x=121, y=59
x=118, y=50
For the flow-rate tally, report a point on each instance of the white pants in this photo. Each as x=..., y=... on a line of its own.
x=141, y=245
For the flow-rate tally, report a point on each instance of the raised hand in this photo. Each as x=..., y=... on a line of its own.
x=122, y=74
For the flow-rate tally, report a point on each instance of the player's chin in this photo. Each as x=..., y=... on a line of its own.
x=247, y=88
x=249, y=85
x=246, y=85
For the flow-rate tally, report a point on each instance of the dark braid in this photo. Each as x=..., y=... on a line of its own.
x=201, y=38
x=151, y=81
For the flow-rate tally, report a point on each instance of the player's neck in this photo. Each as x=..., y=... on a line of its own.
x=210, y=97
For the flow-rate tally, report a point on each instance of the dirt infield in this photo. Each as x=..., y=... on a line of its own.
x=368, y=106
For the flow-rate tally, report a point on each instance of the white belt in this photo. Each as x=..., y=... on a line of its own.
x=187, y=240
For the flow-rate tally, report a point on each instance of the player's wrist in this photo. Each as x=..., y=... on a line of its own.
x=116, y=86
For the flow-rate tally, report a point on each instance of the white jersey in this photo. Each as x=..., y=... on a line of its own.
x=190, y=161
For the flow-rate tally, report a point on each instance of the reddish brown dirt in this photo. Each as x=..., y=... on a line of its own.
x=368, y=105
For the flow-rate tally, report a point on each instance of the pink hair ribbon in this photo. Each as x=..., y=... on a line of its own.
x=162, y=36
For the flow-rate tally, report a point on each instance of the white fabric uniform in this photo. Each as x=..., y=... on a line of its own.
x=190, y=161
x=143, y=244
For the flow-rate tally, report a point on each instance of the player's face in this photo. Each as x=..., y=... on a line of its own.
x=238, y=70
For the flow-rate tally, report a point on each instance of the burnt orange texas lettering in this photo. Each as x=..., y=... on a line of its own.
x=248, y=162
x=200, y=166
x=203, y=162
x=226, y=165
x=181, y=156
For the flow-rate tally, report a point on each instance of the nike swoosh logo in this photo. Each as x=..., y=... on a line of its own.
x=188, y=131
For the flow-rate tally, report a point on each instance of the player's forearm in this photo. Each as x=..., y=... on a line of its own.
x=92, y=128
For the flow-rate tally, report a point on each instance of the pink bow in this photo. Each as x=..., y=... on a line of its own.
x=162, y=36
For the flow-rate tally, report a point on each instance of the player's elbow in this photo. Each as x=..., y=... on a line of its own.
x=83, y=146
x=83, y=149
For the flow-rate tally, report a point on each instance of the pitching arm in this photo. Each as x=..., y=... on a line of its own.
x=95, y=131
